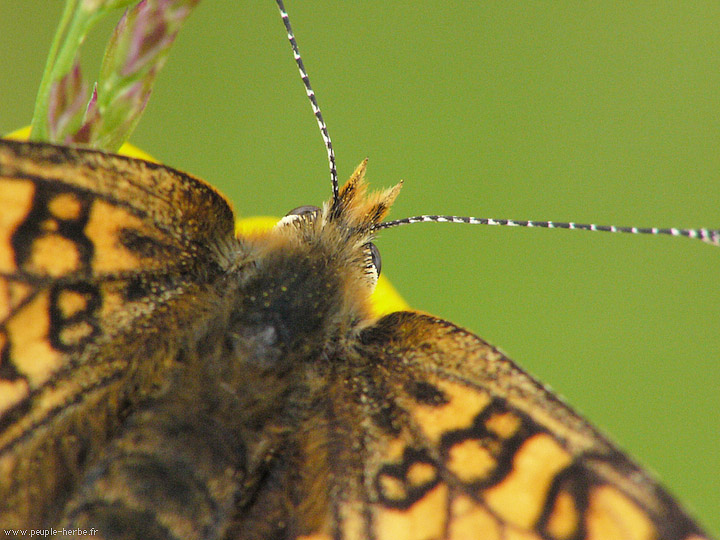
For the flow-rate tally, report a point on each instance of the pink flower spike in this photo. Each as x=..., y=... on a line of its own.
x=92, y=118
x=66, y=104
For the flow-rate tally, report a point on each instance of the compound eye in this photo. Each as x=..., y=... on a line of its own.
x=374, y=257
x=303, y=210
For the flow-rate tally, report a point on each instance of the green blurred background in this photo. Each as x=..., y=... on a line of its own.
x=602, y=112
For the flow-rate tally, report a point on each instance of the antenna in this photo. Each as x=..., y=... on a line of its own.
x=711, y=236
x=313, y=100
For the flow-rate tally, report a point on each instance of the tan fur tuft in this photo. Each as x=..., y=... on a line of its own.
x=364, y=211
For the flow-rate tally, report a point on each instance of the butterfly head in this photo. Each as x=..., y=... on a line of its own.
x=319, y=265
x=343, y=229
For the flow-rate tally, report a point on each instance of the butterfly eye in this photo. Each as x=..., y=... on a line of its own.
x=374, y=256
x=303, y=210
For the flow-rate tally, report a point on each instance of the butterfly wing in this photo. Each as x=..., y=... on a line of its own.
x=427, y=432
x=99, y=257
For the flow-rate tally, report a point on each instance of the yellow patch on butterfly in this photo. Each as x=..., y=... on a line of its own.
x=564, y=517
x=425, y=519
x=628, y=522
x=467, y=517
x=459, y=412
x=18, y=196
x=27, y=331
x=520, y=497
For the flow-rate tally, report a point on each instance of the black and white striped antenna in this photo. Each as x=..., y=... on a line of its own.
x=313, y=100
x=710, y=236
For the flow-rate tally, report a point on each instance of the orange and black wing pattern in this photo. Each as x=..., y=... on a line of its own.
x=426, y=432
x=99, y=255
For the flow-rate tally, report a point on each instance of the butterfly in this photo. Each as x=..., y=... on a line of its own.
x=120, y=255
x=161, y=376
